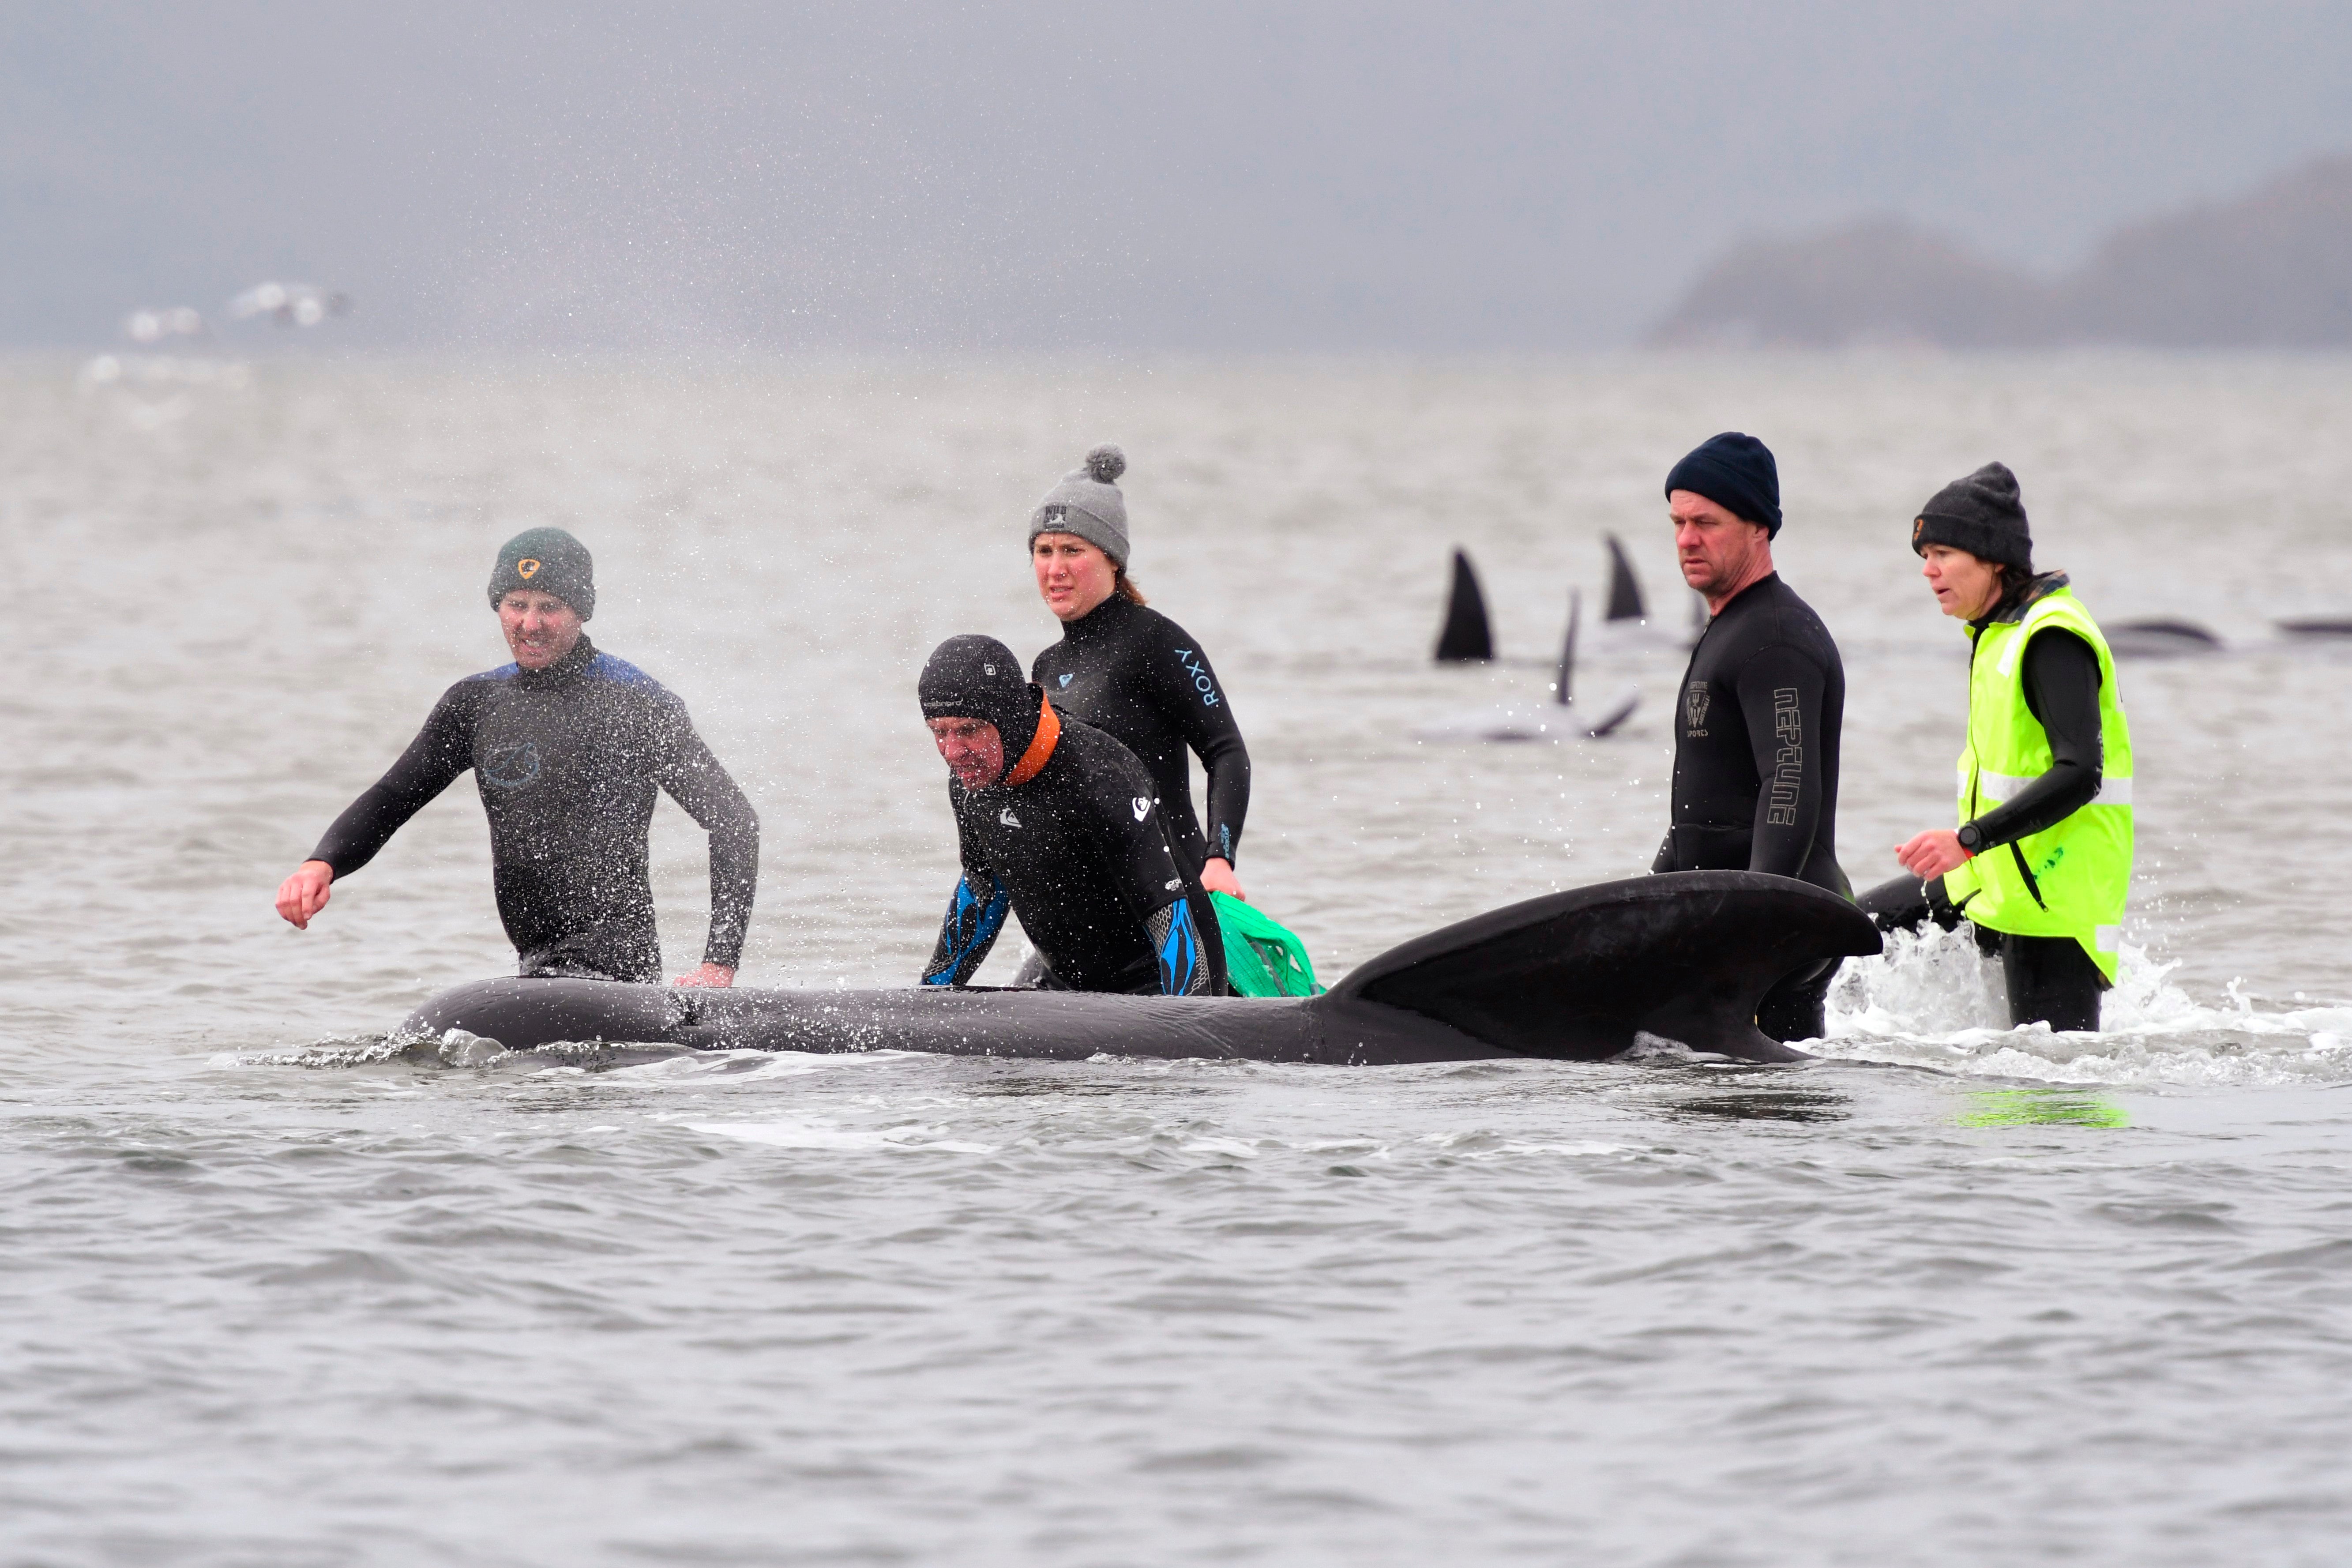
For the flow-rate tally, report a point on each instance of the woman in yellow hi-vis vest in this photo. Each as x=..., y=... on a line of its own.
x=2042, y=859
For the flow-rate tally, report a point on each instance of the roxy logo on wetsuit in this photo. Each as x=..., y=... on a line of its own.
x=1132, y=671
x=1201, y=682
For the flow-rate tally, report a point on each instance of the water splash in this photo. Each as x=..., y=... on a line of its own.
x=1931, y=999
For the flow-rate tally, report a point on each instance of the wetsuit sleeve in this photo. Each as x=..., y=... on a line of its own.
x=975, y=915
x=696, y=781
x=1188, y=690
x=1781, y=690
x=442, y=750
x=2062, y=689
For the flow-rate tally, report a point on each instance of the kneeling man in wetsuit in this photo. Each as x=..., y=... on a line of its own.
x=1763, y=703
x=1058, y=822
x=568, y=745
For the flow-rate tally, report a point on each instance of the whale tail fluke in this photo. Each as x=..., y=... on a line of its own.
x=1686, y=956
x=1600, y=729
x=1466, y=639
x=1624, y=588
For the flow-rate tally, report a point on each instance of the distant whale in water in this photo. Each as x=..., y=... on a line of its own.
x=1572, y=976
x=1466, y=638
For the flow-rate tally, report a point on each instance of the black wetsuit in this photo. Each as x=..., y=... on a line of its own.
x=568, y=759
x=1757, y=728
x=2050, y=979
x=1081, y=854
x=1135, y=673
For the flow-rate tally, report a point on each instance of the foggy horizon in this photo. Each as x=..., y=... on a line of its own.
x=1317, y=179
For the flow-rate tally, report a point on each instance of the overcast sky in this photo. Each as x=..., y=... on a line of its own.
x=1343, y=177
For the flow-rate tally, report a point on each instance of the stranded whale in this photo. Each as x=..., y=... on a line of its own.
x=1572, y=976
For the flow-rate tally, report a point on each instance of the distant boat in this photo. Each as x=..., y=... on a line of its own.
x=2322, y=628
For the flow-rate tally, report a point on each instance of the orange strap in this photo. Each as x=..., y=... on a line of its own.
x=1041, y=747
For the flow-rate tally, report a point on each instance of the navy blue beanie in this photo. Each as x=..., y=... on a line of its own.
x=1737, y=473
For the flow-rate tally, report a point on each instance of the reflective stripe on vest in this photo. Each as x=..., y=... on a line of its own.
x=2071, y=880
x=1999, y=788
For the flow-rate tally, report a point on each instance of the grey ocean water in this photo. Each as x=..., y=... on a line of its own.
x=277, y=1293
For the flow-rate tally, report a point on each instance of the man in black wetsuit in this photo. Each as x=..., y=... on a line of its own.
x=568, y=745
x=1058, y=822
x=1758, y=722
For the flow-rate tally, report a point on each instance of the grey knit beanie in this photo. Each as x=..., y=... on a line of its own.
x=1087, y=503
x=1983, y=514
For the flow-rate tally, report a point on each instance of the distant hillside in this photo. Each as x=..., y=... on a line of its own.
x=2273, y=268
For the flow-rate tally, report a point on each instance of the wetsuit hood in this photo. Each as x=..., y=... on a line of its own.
x=974, y=677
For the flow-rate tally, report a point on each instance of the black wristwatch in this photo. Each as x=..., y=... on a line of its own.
x=1971, y=837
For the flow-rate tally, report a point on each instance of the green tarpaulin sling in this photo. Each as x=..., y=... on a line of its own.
x=1262, y=958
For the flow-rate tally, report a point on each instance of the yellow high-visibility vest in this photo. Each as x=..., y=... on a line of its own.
x=2070, y=879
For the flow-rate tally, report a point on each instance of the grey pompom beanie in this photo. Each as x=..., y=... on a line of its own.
x=1087, y=503
x=1983, y=514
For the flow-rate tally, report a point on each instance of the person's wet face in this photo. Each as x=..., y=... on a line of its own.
x=1073, y=576
x=972, y=748
x=1718, y=548
x=1965, y=586
x=540, y=628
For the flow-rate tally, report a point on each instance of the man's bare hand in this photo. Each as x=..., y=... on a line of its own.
x=1217, y=877
x=304, y=894
x=1931, y=854
x=716, y=975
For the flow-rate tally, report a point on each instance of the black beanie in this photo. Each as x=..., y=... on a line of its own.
x=974, y=677
x=547, y=560
x=1983, y=514
x=1737, y=473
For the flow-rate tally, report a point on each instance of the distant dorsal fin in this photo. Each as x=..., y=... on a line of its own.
x=1467, y=636
x=1624, y=590
x=1562, y=691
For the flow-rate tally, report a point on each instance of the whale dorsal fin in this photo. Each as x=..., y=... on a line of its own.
x=1687, y=955
x=1624, y=588
x=1465, y=636
x=1563, y=687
